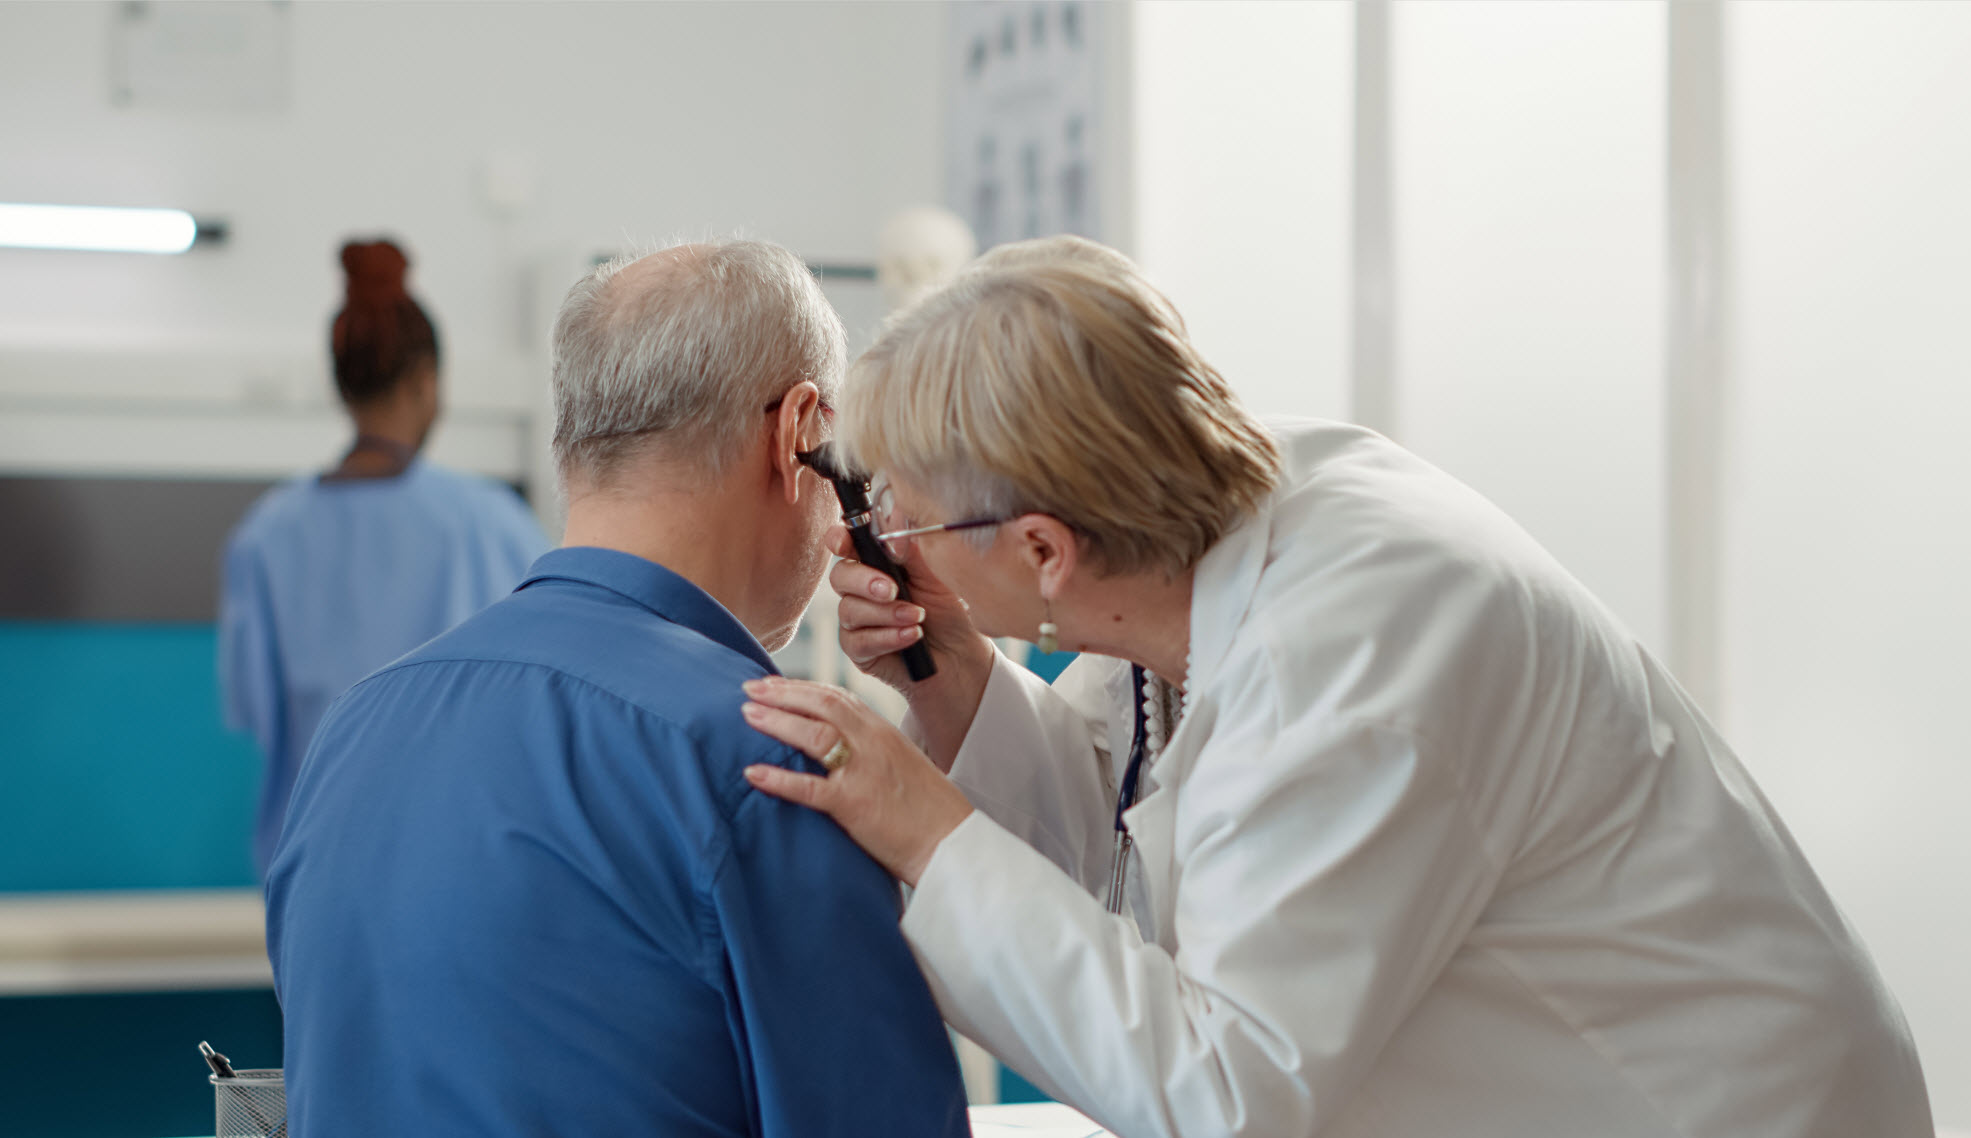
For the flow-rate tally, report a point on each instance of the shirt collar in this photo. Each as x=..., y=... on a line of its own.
x=654, y=587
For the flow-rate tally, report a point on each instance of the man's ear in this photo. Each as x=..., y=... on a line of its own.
x=796, y=426
x=1049, y=547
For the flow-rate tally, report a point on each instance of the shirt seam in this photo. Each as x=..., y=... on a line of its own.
x=555, y=669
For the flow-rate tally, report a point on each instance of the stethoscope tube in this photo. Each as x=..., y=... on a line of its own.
x=1139, y=745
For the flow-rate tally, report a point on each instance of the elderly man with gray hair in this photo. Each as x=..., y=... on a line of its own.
x=523, y=888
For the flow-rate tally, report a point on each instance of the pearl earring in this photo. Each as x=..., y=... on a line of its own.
x=1050, y=633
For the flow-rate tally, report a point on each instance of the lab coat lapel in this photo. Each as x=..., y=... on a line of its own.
x=1152, y=826
x=1221, y=592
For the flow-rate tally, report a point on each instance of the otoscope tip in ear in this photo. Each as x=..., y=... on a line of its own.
x=851, y=487
x=823, y=461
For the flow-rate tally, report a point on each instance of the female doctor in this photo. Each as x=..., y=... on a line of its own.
x=1358, y=815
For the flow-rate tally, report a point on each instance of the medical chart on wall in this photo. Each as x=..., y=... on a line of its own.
x=1022, y=122
x=201, y=56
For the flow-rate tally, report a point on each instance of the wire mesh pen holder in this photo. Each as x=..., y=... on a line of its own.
x=250, y=1104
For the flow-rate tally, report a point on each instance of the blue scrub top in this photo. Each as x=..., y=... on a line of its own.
x=524, y=889
x=325, y=582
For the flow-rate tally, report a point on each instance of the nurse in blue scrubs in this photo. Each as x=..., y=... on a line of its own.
x=333, y=575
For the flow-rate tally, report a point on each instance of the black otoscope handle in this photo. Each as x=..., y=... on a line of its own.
x=852, y=490
x=916, y=658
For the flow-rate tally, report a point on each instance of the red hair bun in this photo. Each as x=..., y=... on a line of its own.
x=382, y=334
x=376, y=273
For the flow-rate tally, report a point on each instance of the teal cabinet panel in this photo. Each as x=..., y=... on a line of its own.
x=115, y=769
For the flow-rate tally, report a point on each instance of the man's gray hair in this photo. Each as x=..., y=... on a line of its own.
x=688, y=360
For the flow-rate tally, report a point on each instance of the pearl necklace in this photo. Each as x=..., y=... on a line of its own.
x=1164, y=705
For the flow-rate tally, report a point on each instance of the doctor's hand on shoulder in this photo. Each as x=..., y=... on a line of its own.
x=876, y=627
x=884, y=792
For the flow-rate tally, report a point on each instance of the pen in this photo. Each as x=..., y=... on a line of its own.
x=223, y=1068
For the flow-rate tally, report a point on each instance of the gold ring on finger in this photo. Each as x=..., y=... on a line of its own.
x=837, y=756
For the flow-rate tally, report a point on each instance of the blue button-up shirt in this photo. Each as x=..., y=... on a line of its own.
x=524, y=890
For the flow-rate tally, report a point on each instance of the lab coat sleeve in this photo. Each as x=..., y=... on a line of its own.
x=250, y=681
x=1036, y=761
x=1324, y=873
x=836, y=1029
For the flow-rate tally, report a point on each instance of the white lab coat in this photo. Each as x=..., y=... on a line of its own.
x=1437, y=850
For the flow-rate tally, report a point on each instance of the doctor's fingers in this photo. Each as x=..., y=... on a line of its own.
x=865, y=647
x=831, y=715
x=809, y=790
x=870, y=630
x=852, y=580
x=838, y=542
x=887, y=796
x=857, y=614
x=811, y=737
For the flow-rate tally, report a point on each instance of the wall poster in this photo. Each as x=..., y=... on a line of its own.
x=1023, y=118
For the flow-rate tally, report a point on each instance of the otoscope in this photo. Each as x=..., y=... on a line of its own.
x=852, y=488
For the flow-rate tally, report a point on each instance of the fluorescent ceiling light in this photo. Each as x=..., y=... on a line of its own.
x=100, y=228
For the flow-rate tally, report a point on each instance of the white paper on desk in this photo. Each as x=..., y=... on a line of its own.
x=1033, y=1120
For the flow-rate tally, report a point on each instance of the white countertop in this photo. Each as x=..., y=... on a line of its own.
x=1033, y=1120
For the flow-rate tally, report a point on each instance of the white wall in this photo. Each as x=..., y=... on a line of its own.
x=1529, y=201
x=1529, y=205
x=804, y=123
x=1241, y=189
x=1527, y=160
x=1528, y=176
x=1848, y=562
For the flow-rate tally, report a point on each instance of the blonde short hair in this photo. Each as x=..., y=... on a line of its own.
x=1052, y=378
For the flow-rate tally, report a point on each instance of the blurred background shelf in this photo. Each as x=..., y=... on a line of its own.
x=132, y=941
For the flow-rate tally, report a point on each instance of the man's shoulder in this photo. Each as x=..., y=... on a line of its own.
x=585, y=650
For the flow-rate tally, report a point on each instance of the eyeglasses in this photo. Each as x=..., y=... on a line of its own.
x=886, y=536
x=886, y=518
